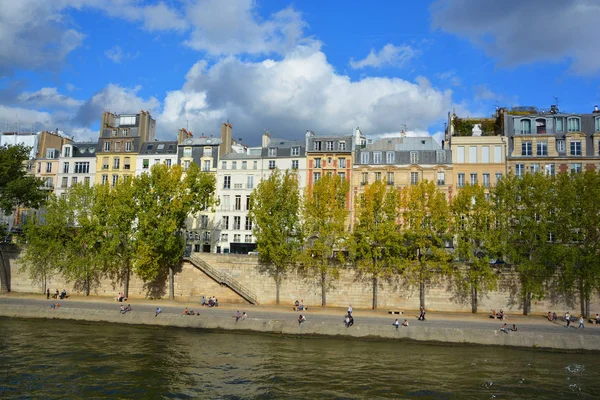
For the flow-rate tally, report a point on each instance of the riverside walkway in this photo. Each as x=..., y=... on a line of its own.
x=533, y=331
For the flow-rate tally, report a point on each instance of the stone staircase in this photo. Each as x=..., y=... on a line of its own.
x=222, y=278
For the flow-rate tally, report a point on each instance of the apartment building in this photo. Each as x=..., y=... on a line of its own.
x=47, y=160
x=121, y=138
x=153, y=153
x=77, y=164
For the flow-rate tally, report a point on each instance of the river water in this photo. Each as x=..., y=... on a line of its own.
x=63, y=359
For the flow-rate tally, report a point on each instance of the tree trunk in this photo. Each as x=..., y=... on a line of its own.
x=582, y=298
x=126, y=282
x=44, y=283
x=4, y=281
x=323, y=289
x=277, y=286
x=87, y=285
x=422, y=293
x=587, y=306
x=374, y=292
x=474, y=301
x=527, y=304
x=171, y=284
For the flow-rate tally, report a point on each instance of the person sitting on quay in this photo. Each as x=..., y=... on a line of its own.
x=186, y=311
x=501, y=315
x=125, y=309
x=346, y=320
x=63, y=294
x=597, y=319
x=55, y=296
x=302, y=307
x=244, y=315
x=54, y=305
x=301, y=319
x=396, y=323
x=237, y=316
x=405, y=323
x=549, y=316
x=514, y=328
x=351, y=322
x=504, y=328
x=554, y=317
x=422, y=314
x=296, y=305
x=122, y=297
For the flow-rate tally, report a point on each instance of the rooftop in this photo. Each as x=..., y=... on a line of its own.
x=165, y=147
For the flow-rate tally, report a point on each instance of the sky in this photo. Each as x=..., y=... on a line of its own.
x=289, y=67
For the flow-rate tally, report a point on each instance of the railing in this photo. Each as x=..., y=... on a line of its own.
x=223, y=278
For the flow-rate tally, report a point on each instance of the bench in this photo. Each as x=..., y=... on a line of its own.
x=395, y=312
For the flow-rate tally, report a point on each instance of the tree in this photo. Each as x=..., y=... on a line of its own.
x=274, y=209
x=524, y=206
x=324, y=214
x=376, y=242
x=476, y=240
x=17, y=188
x=425, y=217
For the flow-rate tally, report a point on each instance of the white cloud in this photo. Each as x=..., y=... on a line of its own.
x=389, y=55
x=521, y=32
x=115, y=54
x=48, y=97
x=450, y=77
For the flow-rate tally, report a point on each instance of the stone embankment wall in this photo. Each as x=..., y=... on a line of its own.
x=191, y=283
x=558, y=341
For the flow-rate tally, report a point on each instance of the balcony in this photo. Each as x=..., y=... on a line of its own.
x=441, y=182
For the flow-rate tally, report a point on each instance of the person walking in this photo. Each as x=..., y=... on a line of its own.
x=350, y=310
x=568, y=319
x=48, y=294
x=581, y=323
x=396, y=323
x=158, y=311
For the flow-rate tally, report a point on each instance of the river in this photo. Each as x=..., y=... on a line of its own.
x=63, y=359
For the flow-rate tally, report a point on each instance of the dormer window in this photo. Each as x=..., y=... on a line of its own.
x=573, y=124
x=540, y=126
x=317, y=145
x=272, y=151
x=342, y=145
x=525, y=127
x=414, y=157
x=390, y=157
x=597, y=124
x=364, y=157
x=295, y=151
x=376, y=157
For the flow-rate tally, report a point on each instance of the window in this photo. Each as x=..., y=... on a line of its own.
x=125, y=132
x=377, y=176
x=576, y=168
x=127, y=146
x=364, y=157
x=74, y=181
x=441, y=178
x=342, y=176
x=68, y=151
x=342, y=162
x=473, y=180
x=329, y=145
x=550, y=237
x=115, y=179
x=485, y=154
x=294, y=164
x=271, y=164
x=460, y=155
x=342, y=145
x=106, y=146
x=540, y=126
x=596, y=125
x=250, y=182
x=376, y=157
x=534, y=168
x=390, y=178
x=86, y=180
x=248, y=205
x=549, y=169
x=145, y=163
x=317, y=146
x=238, y=202
x=117, y=146
x=187, y=151
x=497, y=154
x=244, y=164
x=237, y=238
x=248, y=225
x=575, y=147
x=116, y=163
x=519, y=170
x=104, y=179
x=440, y=157
x=226, y=221
x=486, y=180
x=224, y=237
x=559, y=124
x=365, y=178
x=237, y=223
x=186, y=165
x=317, y=163
x=461, y=180
x=390, y=157
x=82, y=167
x=272, y=152
x=126, y=163
x=48, y=167
x=168, y=162
x=227, y=182
x=204, y=221
x=414, y=178
x=414, y=157
x=50, y=153
x=316, y=176
x=255, y=165
x=248, y=238
x=526, y=149
x=206, y=166
x=65, y=182
x=208, y=152
x=295, y=151
x=498, y=177
x=472, y=154
x=542, y=148
x=525, y=126
x=573, y=125
x=39, y=167
x=66, y=168
x=225, y=205
x=560, y=146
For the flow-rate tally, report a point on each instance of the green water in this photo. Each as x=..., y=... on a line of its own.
x=62, y=359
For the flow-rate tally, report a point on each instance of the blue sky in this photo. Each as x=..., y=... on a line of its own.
x=286, y=67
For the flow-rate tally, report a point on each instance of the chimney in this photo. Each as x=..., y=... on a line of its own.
x=443, y=141
x=183, y=134
x=226, y=136
x=402, y=134
x=266, y=139
x=596, y=111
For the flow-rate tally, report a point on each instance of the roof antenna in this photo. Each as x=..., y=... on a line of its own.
x=556, y=101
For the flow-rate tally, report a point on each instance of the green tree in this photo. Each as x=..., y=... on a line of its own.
x=274, y=209
x=425, y=215
x=17, y=189
x=524, y=206
x=376, y=242
x=476, y=237
x=324, y=214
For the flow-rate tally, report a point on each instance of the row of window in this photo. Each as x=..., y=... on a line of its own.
x=414, y=178
x=237, y=203
x=328, y=145
x=547, y=169
x=526, y=125
x=117, y=163
x=237, y=223
x=204, y=236
x=244, y=165
x=485, y=154
x=146, y=162
x=317, y=175
x=187, y=151
x=74, y=181
x=542, y=148
x=295, y=151
x=114, y=180
x=390, y=157
x=249, y=182
x=116, y=146
x=237, y=238
x=81, y=167
x=323, y=163
x=474, y=179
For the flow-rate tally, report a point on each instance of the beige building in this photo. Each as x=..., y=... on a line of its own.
x=48, y=152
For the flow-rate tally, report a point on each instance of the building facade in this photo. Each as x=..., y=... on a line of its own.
x=77, y=164
x=153, y=153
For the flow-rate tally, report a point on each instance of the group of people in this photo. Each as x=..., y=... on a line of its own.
x=299, y=306
x=63, y=294
x=499, y=315
x=125, y=309
x=552, y=316
x=211, y=302
x=505, y=328
x=121, y=297
x=241, y=316
x=397, y=323
x=568, y=319
x=190, y=312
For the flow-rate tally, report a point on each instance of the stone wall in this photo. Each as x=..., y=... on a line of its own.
x=191, y=283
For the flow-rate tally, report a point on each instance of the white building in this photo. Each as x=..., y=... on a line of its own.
x=76, y=164
x=29, y=139
x=152, y=153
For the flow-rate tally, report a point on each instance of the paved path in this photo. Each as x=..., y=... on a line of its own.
x=330, y=315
